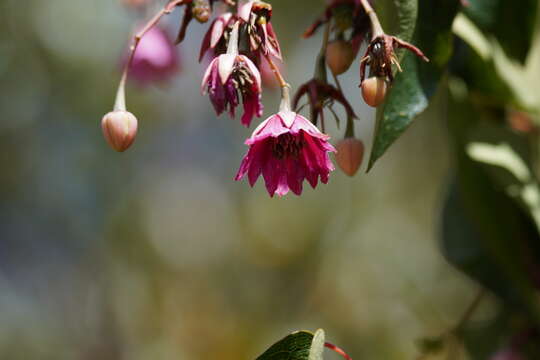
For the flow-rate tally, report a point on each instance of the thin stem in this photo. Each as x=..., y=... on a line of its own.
x=376, y=28
x=349, y=131
x=320, y=65
x=120, y=102
x=277, y=73
x=470, y=310
x=337, y=350
x=285, y=105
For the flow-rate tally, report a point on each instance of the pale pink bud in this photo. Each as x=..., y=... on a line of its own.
x=339, y=56
x=350, y=152
x=119, y=129
x=374, y=91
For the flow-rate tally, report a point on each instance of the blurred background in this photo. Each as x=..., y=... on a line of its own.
x=157, y=253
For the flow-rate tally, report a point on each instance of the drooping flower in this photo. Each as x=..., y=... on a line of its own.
x=261, y=36
x=155, y=59
x=232, y=77
x=215, y=37
x=286, y=149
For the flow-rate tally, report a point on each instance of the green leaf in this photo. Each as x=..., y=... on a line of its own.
x=511, y=22
x=413, y=87
x=485, y=233
x=295, y=346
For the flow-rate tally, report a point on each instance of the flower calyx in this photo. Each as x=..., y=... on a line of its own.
x=380, y=56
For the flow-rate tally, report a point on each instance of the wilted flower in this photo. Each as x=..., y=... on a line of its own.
x=155, y=59
x=119, y=129
x=380, y=56
x=229, y=78
x=321, y=94
x=287, y=148
x=262, y=38
x=216, y=35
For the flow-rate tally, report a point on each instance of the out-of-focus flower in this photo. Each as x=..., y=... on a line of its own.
x=262, y=38
x=155, y=59
x=287, y=148
x=216, y=37
x=229, y=78
x=119, y=129
x=508, y=354
x=339, y=56
x=320, y=94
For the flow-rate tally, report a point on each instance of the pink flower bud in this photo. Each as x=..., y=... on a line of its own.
x=339, y=56
x=349, y=156
x=119, y=129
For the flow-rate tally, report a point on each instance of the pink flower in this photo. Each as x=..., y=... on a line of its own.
x=287, y=148
x=261, y=36
x=215, y=36
x=229, y=78
x=155, y=59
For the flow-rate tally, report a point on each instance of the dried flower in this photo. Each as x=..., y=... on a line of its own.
x=216, y=35
x=261, y=36
x=286, y=148
x=320, y=94
x=380, y=56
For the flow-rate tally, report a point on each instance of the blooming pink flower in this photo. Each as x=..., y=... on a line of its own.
x=262, y=38
x=287, y=148
x=214, y=37
x=230, y=77
x=155, y=59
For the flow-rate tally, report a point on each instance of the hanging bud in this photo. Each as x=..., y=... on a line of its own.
x=119, y=129
x=339, y=56
x=374, y=90
x=349, y=156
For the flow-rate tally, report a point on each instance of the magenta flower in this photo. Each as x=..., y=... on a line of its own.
x=287, y=148
x=155, y=59
x=261, y=36
x=215, y=36
x=229, y=78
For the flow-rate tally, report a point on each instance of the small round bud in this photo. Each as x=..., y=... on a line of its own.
x=374, y=91
x=339, y=56
x=119, y=129
x=350, y=152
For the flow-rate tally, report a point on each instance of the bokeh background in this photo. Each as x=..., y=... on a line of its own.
x=157, y=253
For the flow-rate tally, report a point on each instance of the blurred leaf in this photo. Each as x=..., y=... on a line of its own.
x=511, y=22
x=295, y=346
x=484, y=232
x=413, y=87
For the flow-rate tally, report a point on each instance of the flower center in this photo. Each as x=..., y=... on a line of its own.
x=286, y=146
x=241, y=79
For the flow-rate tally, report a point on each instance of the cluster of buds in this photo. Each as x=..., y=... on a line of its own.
x=348, y=25
x=286, y=148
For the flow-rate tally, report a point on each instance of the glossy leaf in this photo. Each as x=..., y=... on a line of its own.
x=485, y=233
x=413, y=87
x=295, y=346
